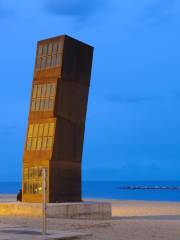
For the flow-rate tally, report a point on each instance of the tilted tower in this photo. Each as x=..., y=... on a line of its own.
x=56, y=121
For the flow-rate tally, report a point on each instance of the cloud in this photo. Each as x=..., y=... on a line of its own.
x=160, y=11
x=74, y=8
x=131, y=100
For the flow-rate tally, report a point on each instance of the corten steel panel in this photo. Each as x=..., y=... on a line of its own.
x=65, y=182
x=63, y=160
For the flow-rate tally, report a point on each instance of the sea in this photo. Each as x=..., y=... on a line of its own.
x=112, y=190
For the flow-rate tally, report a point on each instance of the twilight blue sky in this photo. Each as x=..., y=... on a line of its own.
x=133, y=119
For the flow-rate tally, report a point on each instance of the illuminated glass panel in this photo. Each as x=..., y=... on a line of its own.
x=35, y=172
x=38, y=90
x=49, y=143
x=33, y=145
x=30, y=131
x=26, y=173
x=43, y=90
x=55, y=47
x=50, y=49
x=44, y=143
x=35, y=130
x=33, y=182
x=33, y=105
x=49, y=55
x=58, y=60
x=43, y=97
x=53, y=62
x=35, y=188
x=30, y=188
x=40, y=50
x=28, y=144
x=46, y=103
x=41, y=105
x=43, y=63
x=37, y=105
x=39, y=187
x=48, y=63
x=40, y=172
x=38, y=63
x=53, y=90
x=45, y=50
x=48, y=90
x=59, y=47
x=30, y=173
x=51, y=129
x=46, y=128
x=39, y=135
x=34, y=91
x=51, y=104
x=25, y=187
x=39, y=143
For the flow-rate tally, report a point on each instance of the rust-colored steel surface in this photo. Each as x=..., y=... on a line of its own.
x=56, y=122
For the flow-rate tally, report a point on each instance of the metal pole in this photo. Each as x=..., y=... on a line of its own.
x=44, y=201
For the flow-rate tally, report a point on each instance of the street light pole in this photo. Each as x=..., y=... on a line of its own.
x=44, y=201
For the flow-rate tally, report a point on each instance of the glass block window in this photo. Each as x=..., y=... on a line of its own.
x=40, y=136
x=39, y=51
x=43, y=97
x=33, y=180
x=49, y=55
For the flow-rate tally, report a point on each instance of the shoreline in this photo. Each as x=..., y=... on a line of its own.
x=129, y=200
x=12, y=197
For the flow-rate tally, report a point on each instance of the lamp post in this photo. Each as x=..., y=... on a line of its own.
x=44, y=201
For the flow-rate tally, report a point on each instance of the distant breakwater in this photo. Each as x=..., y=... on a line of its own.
x=150, y=188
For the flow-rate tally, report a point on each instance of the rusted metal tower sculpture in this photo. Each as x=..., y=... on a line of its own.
x=56, y=122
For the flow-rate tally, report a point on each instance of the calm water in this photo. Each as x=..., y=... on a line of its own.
x=109, y=190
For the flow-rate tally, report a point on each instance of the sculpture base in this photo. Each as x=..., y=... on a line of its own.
x=82, y=210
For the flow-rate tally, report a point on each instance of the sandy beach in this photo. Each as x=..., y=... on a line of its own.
x=131, y=220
